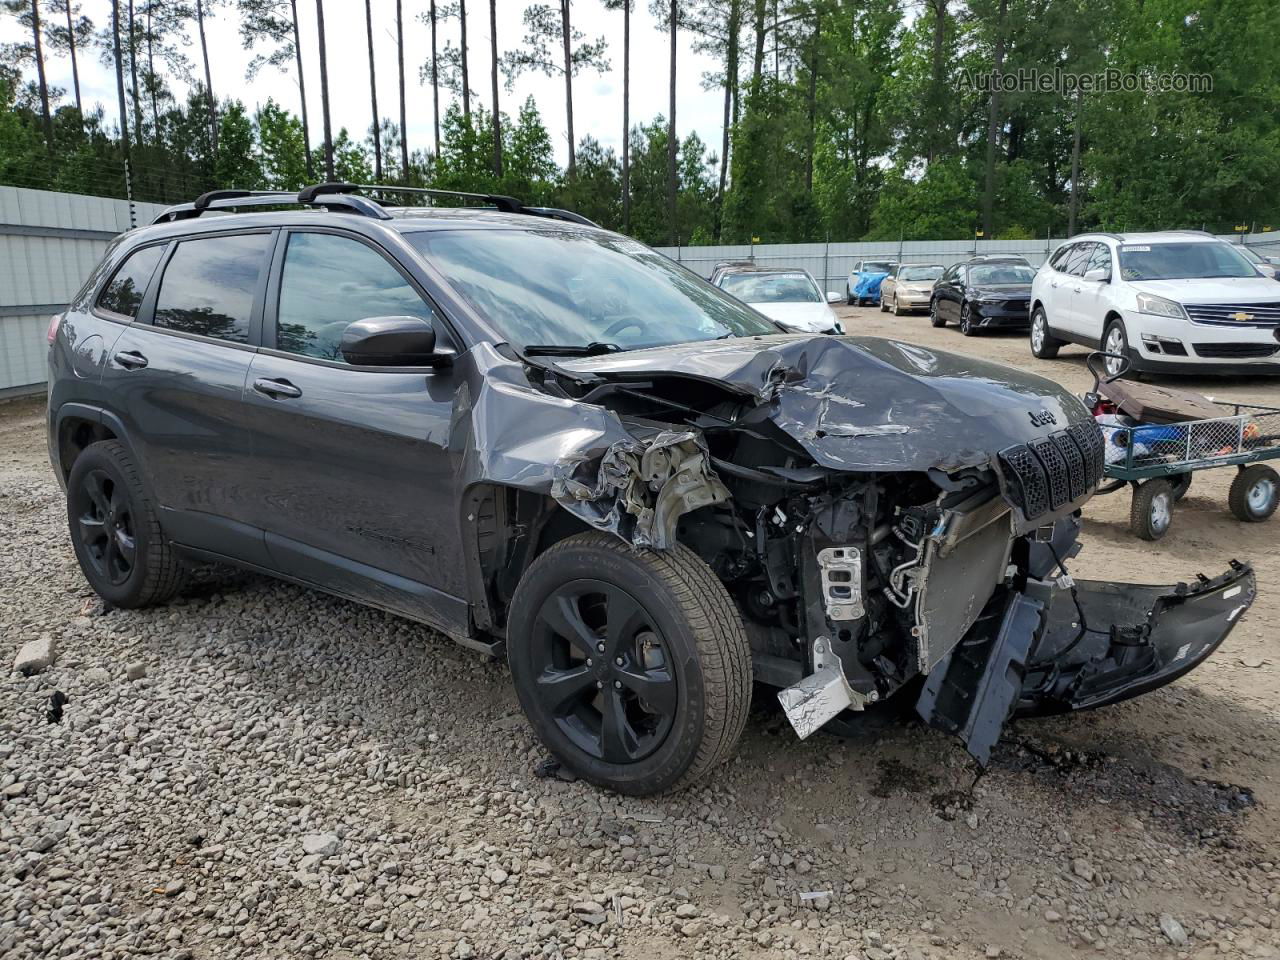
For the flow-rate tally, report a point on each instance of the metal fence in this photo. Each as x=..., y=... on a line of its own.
x=49, y=242
x=831, y=263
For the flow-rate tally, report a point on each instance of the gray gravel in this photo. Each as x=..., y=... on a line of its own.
x=260, y=771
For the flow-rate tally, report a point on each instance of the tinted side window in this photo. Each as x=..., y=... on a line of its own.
x=1075, y=263
x=1060, y=256
x=1101, y=259
x=209, y=284
x=330, y=282
x=123, y=295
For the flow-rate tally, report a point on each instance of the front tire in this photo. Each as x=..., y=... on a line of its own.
x=115, y=530
x=1044, y=345
x=967, y=327
x=897, y=307
x=632, y=665
x=884, y=307
x=1115, y=341
x=1254, y=493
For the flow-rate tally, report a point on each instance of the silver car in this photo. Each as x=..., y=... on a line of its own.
x=909, y=287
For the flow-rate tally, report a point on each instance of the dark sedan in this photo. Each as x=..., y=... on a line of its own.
x=982, y=295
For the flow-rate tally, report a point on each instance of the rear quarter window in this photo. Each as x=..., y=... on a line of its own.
x=128, y=285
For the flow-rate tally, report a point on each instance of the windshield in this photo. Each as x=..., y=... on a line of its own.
x=562, y=287
x=772, y=287
x=910, y=274
x=1249, y=255
x=1182, y=261
x=878, y=266
x=998, y=273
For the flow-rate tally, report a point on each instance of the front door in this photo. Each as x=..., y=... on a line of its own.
x=352, y=479
x=178, y=374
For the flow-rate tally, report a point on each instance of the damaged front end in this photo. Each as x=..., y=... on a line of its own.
x=888, y=520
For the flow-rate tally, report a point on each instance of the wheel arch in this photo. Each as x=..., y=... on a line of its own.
x=77, y=425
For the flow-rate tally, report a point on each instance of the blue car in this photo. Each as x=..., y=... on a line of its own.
x=863, y=285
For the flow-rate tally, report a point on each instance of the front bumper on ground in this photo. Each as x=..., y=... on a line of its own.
x=1035, y=654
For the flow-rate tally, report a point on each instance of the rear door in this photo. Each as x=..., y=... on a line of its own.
x=351, y=477
x=177, y=376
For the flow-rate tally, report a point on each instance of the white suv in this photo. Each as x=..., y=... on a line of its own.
x=1175, y=302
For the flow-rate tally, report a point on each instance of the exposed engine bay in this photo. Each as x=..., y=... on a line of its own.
x=888, y=520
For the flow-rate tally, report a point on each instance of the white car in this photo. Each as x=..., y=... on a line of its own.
x=1175, y=302
x=790, y=297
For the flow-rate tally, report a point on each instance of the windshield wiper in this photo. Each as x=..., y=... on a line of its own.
x=592, y=349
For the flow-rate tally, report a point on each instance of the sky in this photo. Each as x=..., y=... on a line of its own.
x=597, y=96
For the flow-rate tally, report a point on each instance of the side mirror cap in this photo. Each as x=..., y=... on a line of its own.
x=391, y=342
x=1098, y=274
x=833, y=297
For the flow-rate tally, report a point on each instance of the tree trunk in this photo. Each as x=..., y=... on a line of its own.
x=133, y=75
x=935, y=83
x=45, y=115
x=730, y=85
x=993, y=117
x=1075, y=168
x=302, y=90
x=404, y=125
x=466, y=82
x=324, y=94
x=124, y=117
x=672, y=146
x=812, y=97
x=626, y=117
x=565, y=35
x=152, y=86
x=757, y=64
x=493, y=82
x=208, y=79
x=373, y=94
x=435, y=78
x=75, y=67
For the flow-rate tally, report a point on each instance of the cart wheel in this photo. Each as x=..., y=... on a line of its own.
x=1254, y=493
x=1181, y=483
x=1152, y=509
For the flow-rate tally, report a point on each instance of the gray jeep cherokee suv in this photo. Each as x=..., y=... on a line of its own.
x=550, y=442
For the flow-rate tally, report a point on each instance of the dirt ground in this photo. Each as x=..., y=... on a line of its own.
x=1148, y=829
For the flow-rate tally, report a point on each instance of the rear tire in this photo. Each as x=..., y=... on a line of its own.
x=1044, y=345
x=115, y=530
x=1151, y=513
x=884, y=307
x=1254, y=493
x=934, y=318
x=632, y=665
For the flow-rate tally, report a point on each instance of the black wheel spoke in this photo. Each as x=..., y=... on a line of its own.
x=560, y=690
x=92, y=529
x=655, y=688
x=618, y=742
x=94, y=488
x=562, y=614
x=625, y=618
x=126, y=547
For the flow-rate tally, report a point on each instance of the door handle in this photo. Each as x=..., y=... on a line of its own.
x=1053, y=283
x=276, y=388
x=130, y=360
x=1077, y=289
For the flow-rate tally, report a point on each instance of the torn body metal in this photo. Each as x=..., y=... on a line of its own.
x=879, y=512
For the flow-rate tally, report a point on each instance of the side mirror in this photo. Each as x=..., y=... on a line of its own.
x=1098, y=274
x=390, y=342
x=833, y=297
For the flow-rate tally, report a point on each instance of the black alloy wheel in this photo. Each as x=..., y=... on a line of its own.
x=104, y=526
x=602, y=669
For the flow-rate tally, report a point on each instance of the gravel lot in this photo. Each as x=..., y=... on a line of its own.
x=291, y=775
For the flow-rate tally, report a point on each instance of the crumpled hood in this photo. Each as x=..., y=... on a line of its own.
x=865, y=403
x=804, y=317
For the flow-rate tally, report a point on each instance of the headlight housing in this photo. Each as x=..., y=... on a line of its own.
x=1160, y=307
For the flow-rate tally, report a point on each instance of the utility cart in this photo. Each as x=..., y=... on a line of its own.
x=1157, y=438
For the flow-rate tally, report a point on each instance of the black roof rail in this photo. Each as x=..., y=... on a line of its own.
x=315, y=196
x=500, y=202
